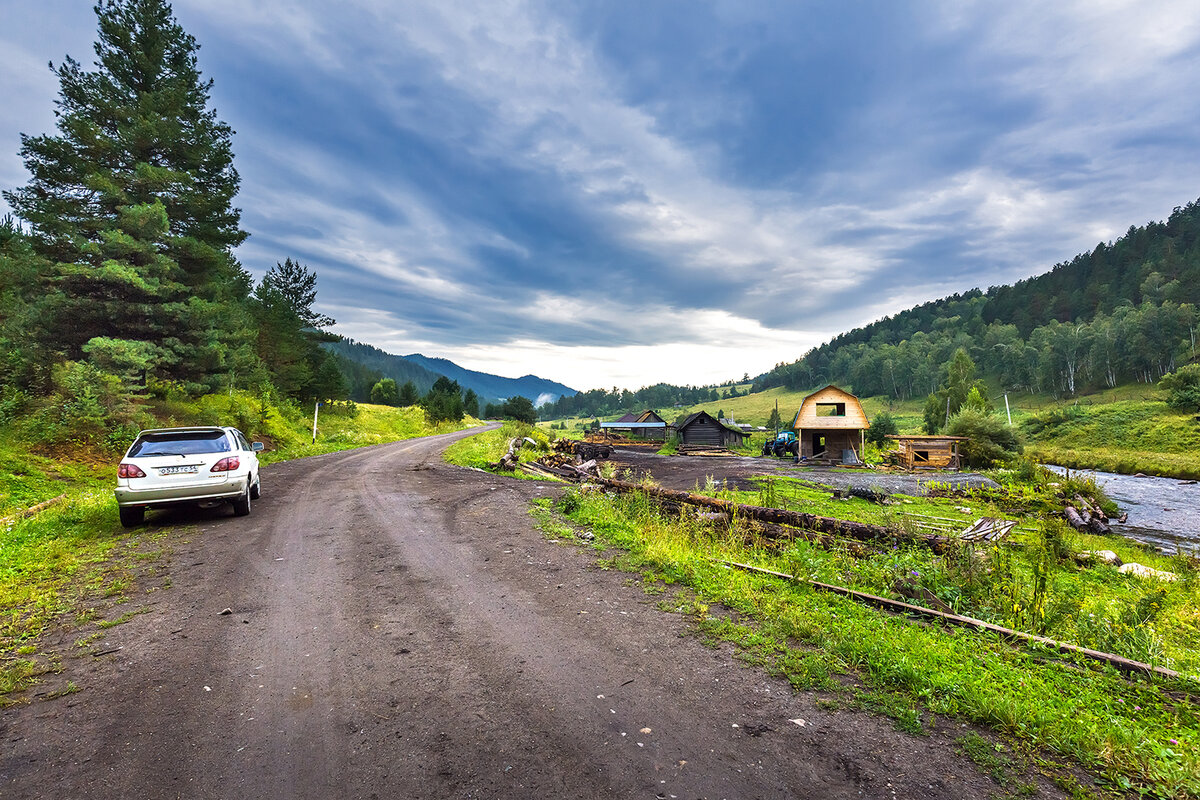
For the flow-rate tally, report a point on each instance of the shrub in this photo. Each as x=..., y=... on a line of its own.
x=991, y=441
x=881, y=427
x=1183, y=388
x=86, y=405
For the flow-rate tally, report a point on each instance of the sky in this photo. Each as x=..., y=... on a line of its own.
x=625, y=193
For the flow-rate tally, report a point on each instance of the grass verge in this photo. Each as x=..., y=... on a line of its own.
x=1137, y=734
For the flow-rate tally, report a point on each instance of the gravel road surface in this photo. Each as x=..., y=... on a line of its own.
x=398, y=628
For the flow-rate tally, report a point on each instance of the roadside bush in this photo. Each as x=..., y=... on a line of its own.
x=86, y=405
x=1183, y=388
x=385, y=393
x=991, y=441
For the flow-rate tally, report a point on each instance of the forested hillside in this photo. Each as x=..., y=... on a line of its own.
x=1124, y=312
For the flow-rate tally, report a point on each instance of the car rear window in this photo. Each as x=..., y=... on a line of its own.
x=183, y=444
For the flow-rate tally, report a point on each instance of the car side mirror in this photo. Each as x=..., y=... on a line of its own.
x=257, y=447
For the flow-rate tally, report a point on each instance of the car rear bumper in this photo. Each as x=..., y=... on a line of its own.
x=172, y=495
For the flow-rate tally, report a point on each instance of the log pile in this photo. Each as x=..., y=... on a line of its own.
x=623, y=441
x=704, y=450
x=563, y=467
x=586, y=451
x=1083, y=515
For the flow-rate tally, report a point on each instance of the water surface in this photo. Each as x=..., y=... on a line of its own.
x=1164, y=512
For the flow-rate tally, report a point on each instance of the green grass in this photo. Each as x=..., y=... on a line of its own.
x=1123, y=436
x=485, y=448
x=1137, y=732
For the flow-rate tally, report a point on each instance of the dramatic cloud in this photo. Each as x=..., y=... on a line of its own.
x=621, y=193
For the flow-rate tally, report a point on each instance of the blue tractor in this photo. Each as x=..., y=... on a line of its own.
x=785, y=443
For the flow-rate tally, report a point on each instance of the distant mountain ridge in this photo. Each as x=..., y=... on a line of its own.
x=494, y=387
x=423, y=371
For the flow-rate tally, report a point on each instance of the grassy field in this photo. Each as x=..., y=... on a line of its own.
x=75, y=557
x=1054, y=710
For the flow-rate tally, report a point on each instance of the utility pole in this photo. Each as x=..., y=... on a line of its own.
x=1007, y=410
x=316, y=405
x=947, y=422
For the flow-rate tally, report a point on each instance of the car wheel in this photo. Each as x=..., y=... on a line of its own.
x=241, y=506
x=256, y=489
x=131, y=516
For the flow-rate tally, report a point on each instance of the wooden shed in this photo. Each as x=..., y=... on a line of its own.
x=927, y=452
x=703, y=428
x=646, y=425
x=830, y=426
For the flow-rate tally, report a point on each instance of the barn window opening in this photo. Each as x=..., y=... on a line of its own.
x=831, y=409
x=921, y=455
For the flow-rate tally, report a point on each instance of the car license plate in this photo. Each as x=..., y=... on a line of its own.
x=189, y=469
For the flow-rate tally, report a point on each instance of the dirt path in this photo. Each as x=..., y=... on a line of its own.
x=399, y=629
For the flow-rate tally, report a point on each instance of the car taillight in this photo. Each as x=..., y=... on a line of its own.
x=130, y=471
x=226, y=464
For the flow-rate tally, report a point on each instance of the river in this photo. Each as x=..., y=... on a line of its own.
x=1164, y=512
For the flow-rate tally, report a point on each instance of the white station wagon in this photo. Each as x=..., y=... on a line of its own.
x=202, y=465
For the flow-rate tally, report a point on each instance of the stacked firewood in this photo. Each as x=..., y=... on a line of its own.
x=586, y=451
x=704, y=450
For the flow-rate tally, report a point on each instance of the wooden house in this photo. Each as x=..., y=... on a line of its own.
x=703, y=428
x=927, y=452
x=646, y=425
x=830, y=426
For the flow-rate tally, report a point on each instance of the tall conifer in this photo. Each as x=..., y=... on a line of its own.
x=132, y=200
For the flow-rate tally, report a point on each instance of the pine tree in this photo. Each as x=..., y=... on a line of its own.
x=298, y=287
x=132, y=202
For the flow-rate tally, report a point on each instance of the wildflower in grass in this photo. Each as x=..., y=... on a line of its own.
x=1173, y=741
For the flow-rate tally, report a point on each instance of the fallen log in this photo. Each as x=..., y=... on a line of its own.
x=32, y=510
x=861, y=531
x=1121, y=663
x=509, y=461
x=1074, y=519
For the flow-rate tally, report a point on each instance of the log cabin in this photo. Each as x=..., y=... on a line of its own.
x=703, y=428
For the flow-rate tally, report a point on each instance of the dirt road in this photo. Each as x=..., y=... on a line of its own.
x=399, y=629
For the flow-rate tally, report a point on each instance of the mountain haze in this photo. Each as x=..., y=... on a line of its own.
x=494, y=387
x=423, y=371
